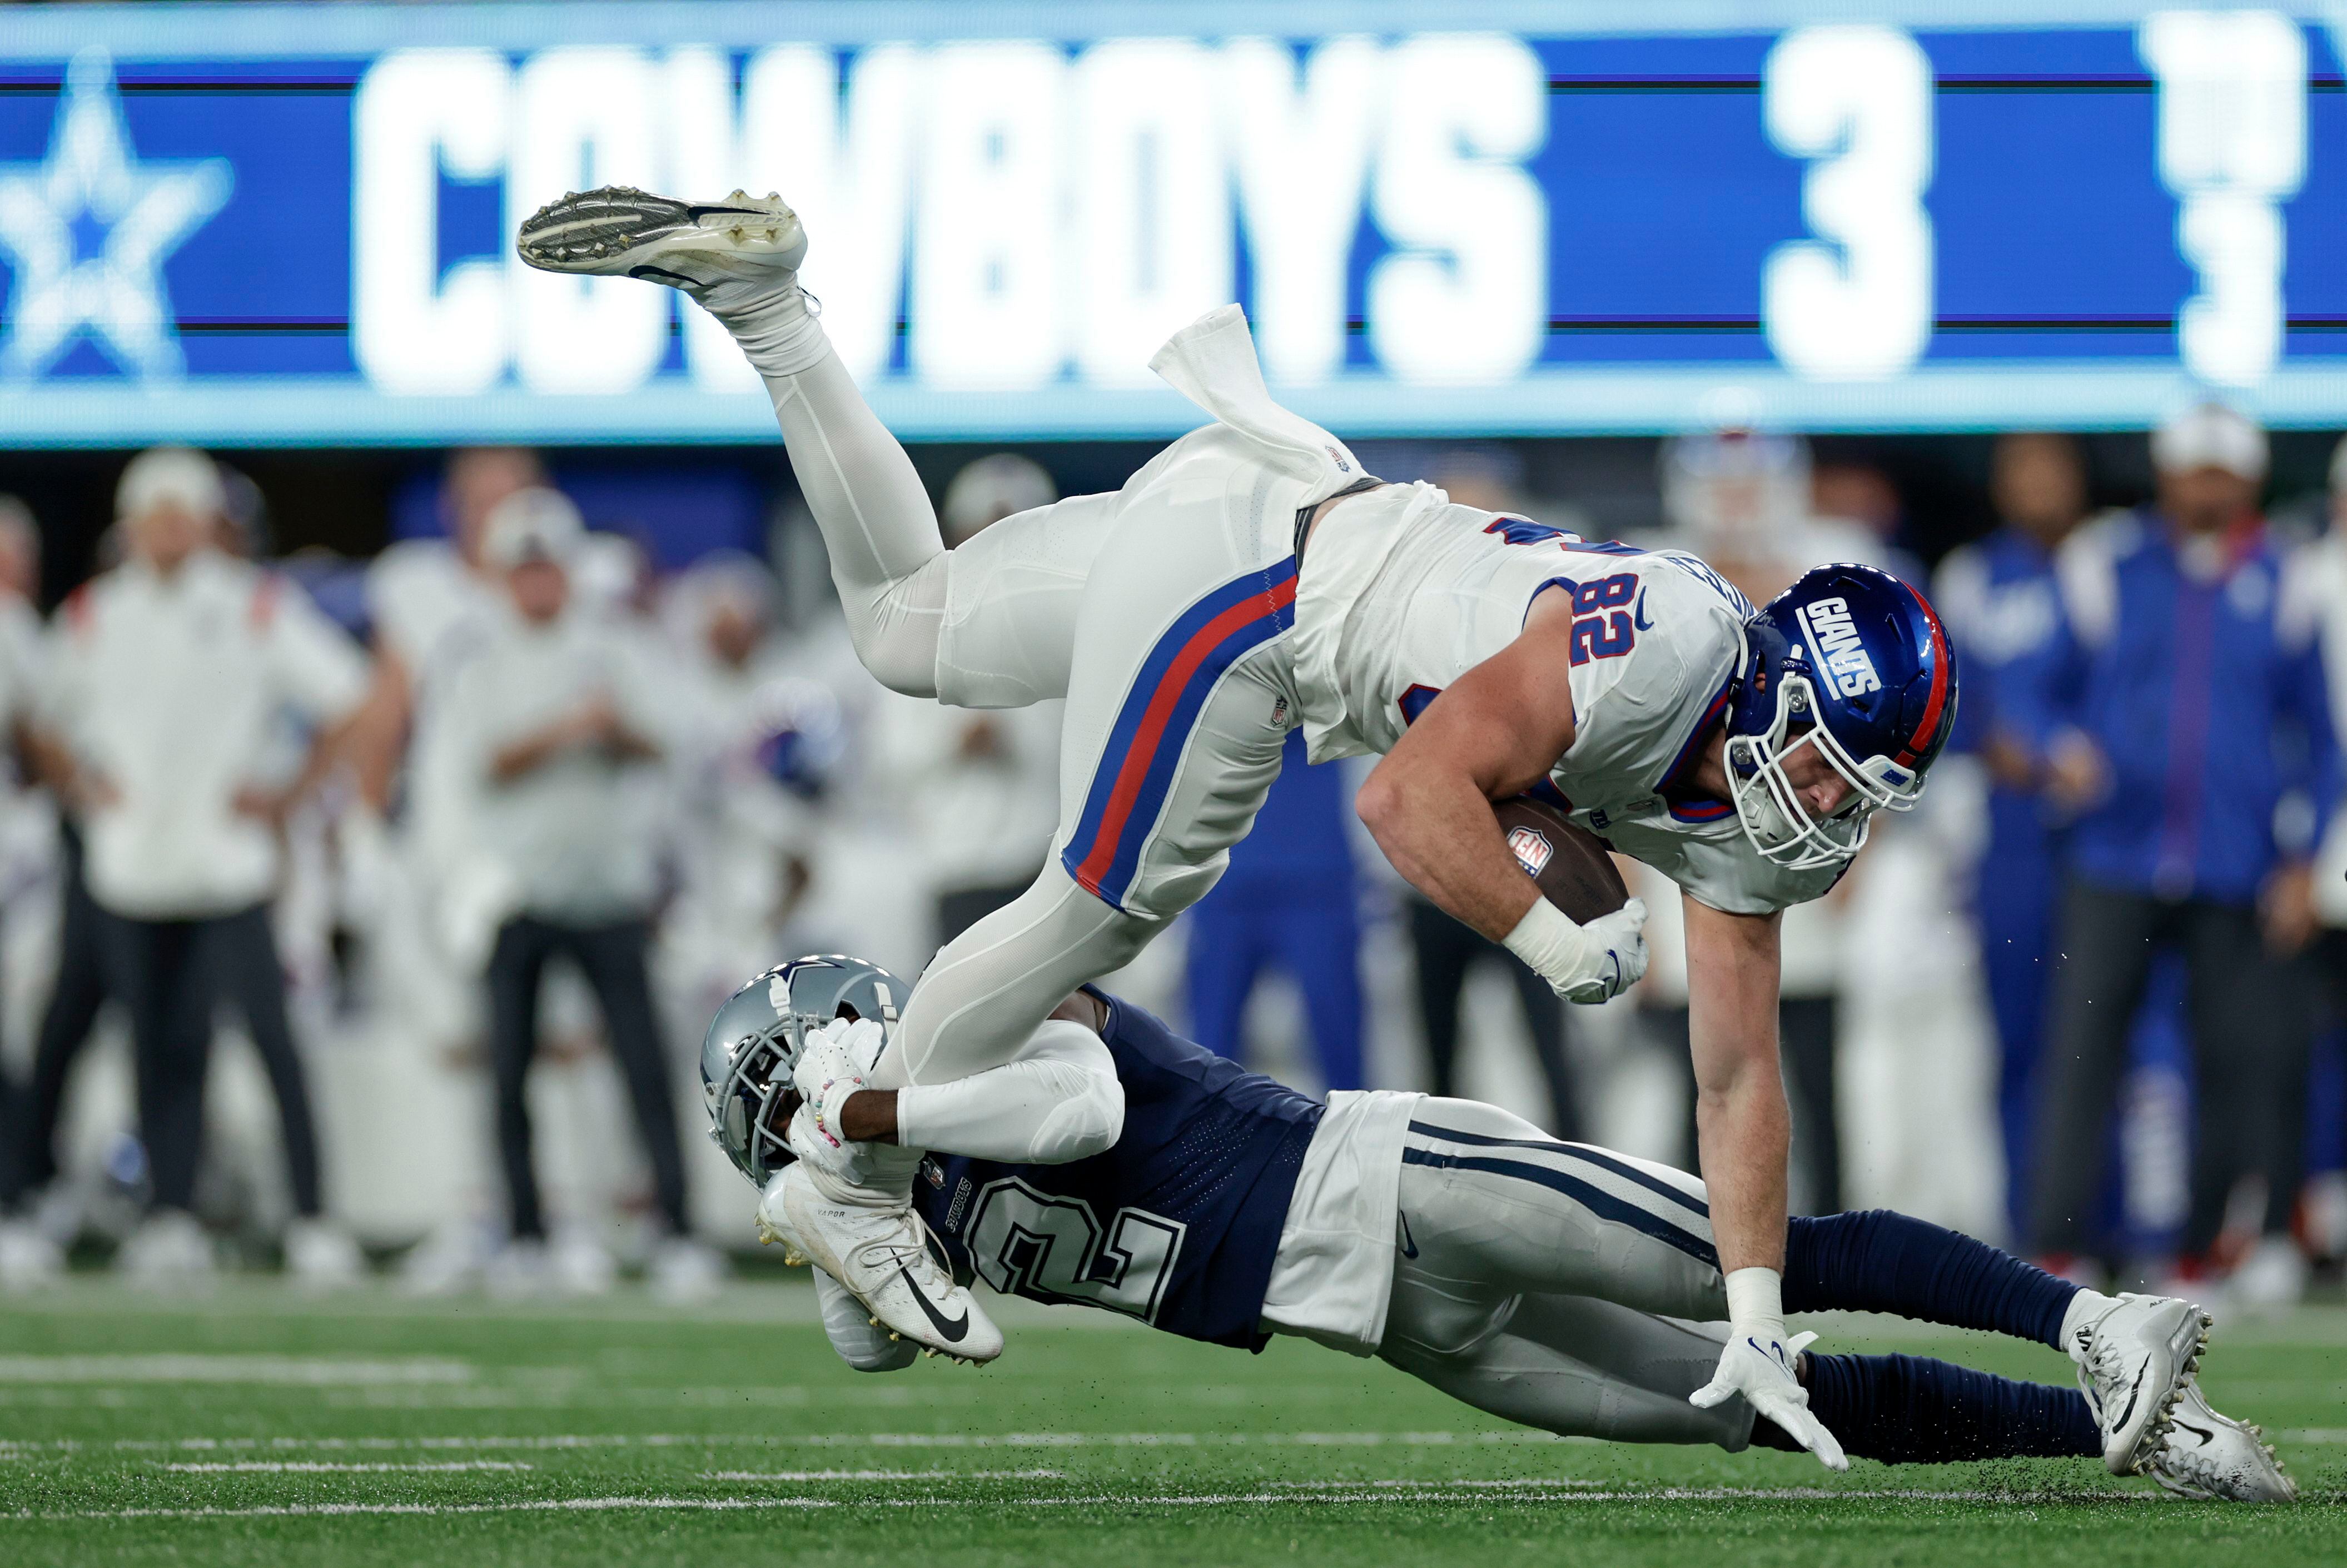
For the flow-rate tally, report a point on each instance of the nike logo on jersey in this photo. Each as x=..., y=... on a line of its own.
x=1639, y=616
x=1839, y=655
x=952, y=1328
x=1409, y=1246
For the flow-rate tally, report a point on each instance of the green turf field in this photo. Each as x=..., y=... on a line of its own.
x=252, y=1427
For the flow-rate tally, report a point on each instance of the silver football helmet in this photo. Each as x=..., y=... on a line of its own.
x=753, y=1044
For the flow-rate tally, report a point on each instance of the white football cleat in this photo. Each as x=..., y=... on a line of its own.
x=881, y=1253
x=2208, y=1455
x=684, y=1271
x=2133, y=1362
x=726, y=254
x=168, y=1251
x=518, y=1271
x=579, y=1264
x=321, y=1257
x=28, y=1258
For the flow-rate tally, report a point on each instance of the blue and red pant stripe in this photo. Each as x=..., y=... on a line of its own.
x=1152, y=728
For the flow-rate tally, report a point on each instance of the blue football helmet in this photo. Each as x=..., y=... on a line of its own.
x=1852, y=661
x=753, y=1043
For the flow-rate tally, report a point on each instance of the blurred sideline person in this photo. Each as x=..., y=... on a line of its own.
x=2003, y=609
x=412, y=853
x=431, y=600
x=28, y=1256
x=435, y=605
x=2319, y=571
x=548, y=724
x=1863, y=495
x=172, y=673
x=757, y=735
x=2186, y=700
x=981, y=787
x=77, y=987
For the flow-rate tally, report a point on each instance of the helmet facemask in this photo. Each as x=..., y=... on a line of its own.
x=1770, y=807
x=742, y=1107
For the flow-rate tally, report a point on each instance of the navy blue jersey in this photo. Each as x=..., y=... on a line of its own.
x=1177, y=1224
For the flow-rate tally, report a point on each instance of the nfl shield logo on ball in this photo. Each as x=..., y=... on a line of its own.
x=1530, y=849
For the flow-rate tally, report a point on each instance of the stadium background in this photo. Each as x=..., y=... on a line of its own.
x=1527, y=244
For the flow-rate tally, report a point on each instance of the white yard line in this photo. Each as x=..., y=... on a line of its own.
x=434, y=1510
x=327, y=1466
x=1351, y=1492
x=307, y=1371
x=27, y=1450
x=801, y=1475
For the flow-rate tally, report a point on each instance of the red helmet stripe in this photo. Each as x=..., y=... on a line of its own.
x=1928, y=725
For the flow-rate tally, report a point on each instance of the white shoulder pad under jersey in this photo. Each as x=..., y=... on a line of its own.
x=1400, y=592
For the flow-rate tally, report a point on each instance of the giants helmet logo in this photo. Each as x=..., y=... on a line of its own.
x=1841, y=659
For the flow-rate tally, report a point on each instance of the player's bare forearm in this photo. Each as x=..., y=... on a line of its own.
x=1494, y=734
x=1438, y=829
x=869, y=1116
x=1743, y=1127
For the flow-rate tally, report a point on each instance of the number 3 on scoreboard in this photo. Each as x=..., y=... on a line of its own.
x=1854, y=303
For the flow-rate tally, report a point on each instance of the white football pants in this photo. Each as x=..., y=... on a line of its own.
x=1553, y=1285
x=1161, y=612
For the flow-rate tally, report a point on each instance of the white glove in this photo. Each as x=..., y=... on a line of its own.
x=1592, y=963
x=1758, y=1364
x=828, y=1071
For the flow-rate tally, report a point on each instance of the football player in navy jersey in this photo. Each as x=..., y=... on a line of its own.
x=1556, y=1284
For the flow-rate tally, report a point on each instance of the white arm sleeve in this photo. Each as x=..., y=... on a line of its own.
x=849, y=1326
x=1059, y=1102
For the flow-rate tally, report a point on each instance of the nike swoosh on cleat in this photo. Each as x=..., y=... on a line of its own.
x=951, y=1329
x=1409, y=1246
x=2133, y=1395
x=662, y=274
x=697, y=213
x=2205, y=1435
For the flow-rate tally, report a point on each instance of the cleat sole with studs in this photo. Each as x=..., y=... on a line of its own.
x=606, y=229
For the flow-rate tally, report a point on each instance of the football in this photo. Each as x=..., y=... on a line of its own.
x=1570, y=865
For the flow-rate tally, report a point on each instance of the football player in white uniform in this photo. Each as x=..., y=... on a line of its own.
x=1251, y=578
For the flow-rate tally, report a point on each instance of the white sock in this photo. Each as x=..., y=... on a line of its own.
x=778, y=333
x=2085, y=1308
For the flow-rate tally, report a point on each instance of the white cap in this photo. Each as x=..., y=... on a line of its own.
x=161, y=474
x=993, y=488
x=536, y=524
x=2209, y=436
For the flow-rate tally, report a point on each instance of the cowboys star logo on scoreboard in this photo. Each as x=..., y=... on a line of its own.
x=85, y=233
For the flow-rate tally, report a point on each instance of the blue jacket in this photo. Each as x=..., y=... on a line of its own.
x=2002, y=606
x=2203, y=688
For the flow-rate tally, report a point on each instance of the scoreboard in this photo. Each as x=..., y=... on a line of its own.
x=289, y=224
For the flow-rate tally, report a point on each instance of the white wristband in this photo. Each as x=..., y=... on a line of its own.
x=1547, y=940
x=1756, y=1299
